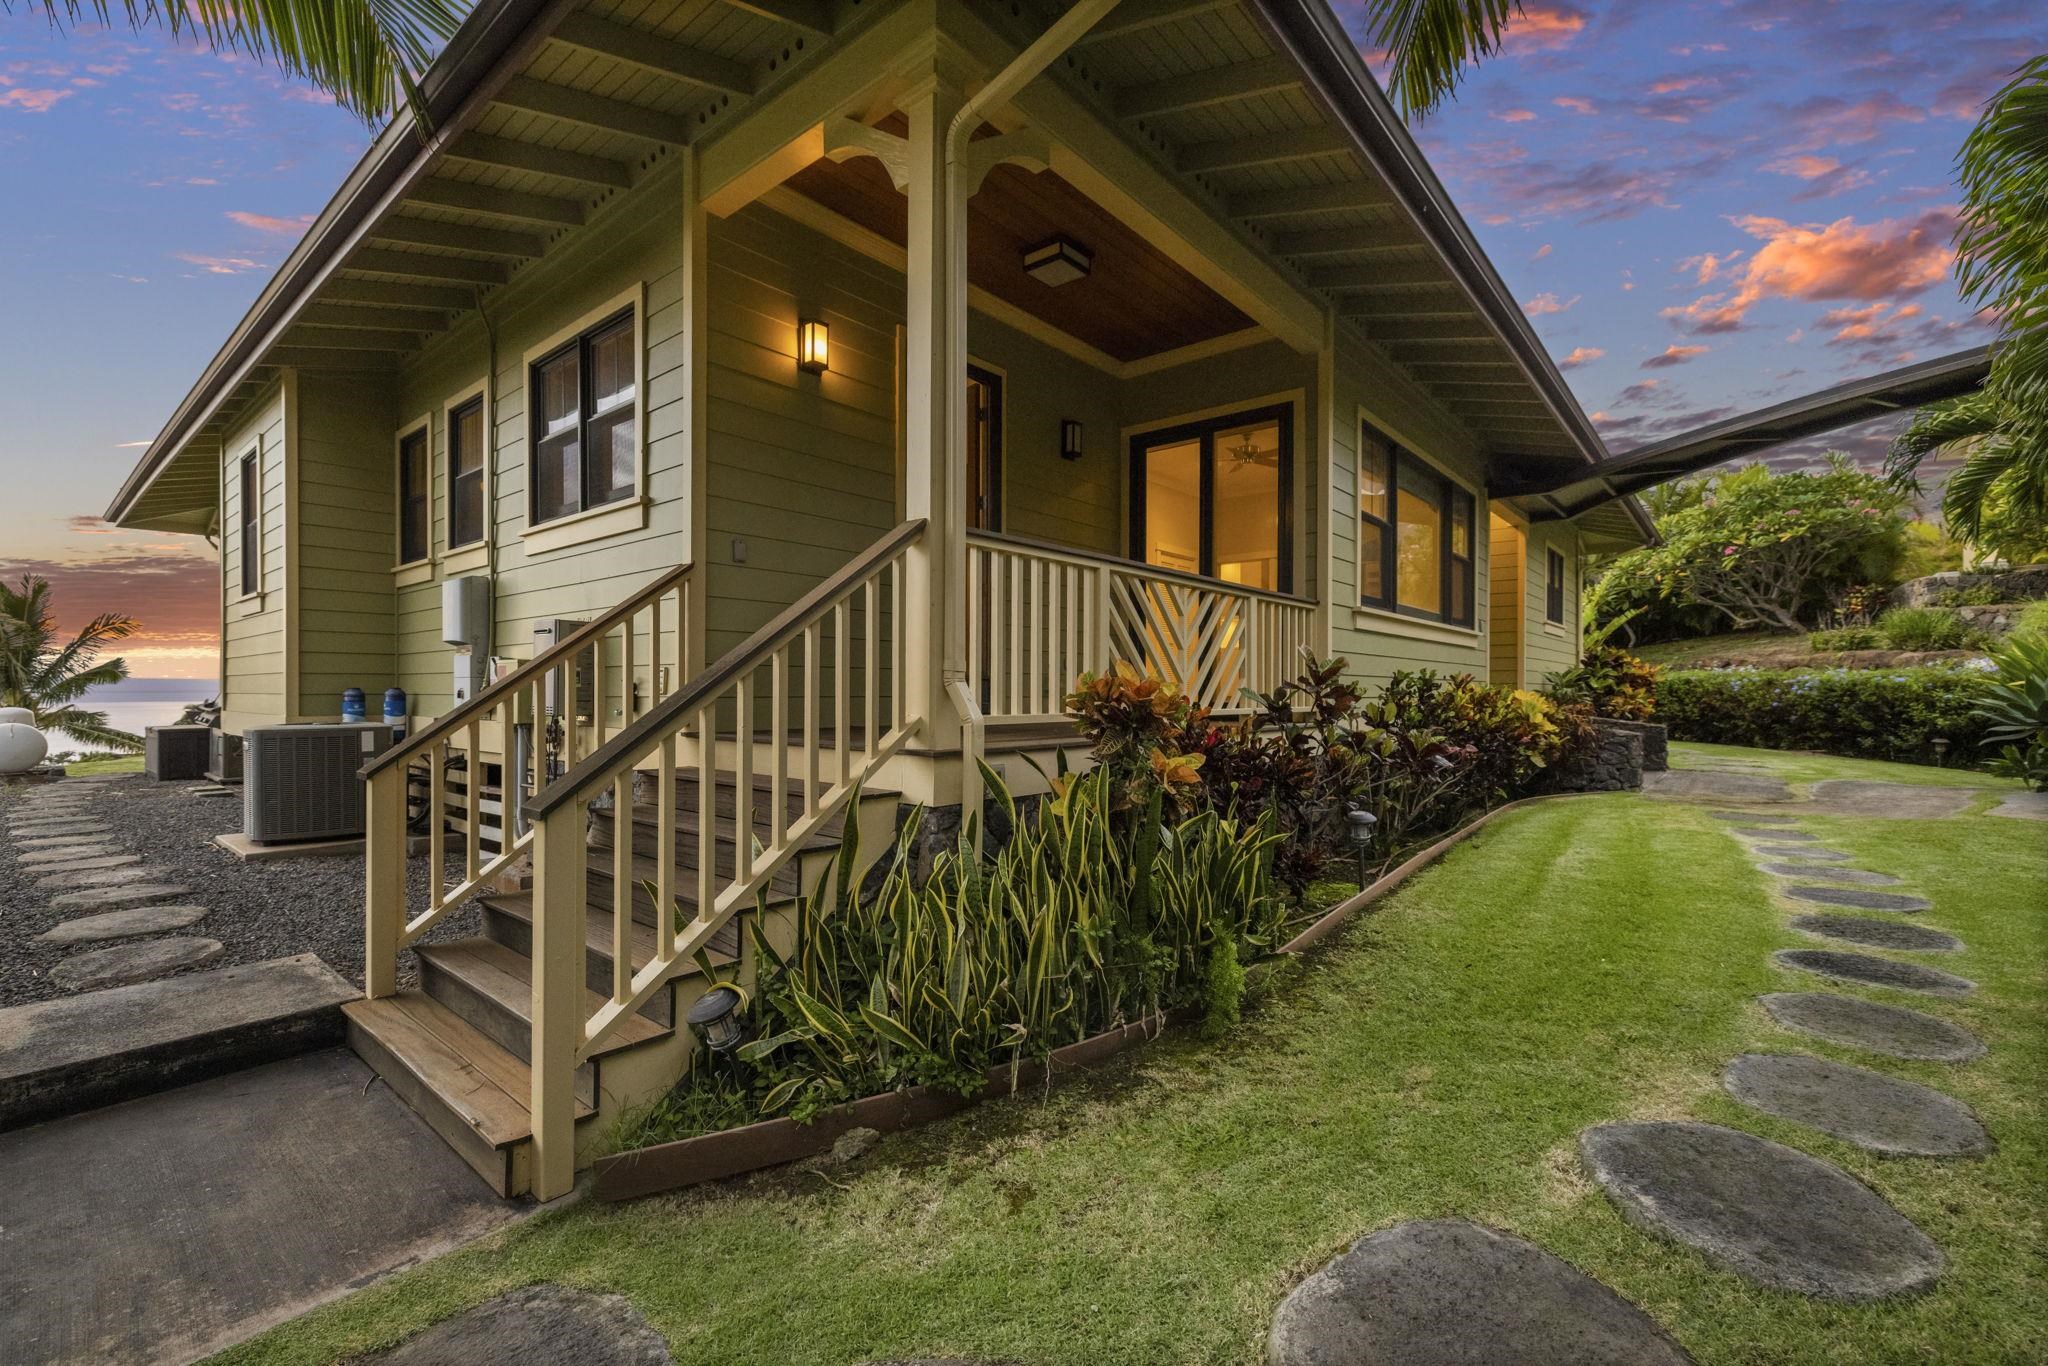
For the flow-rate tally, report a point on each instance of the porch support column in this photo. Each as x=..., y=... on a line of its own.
x=1322, y=483
x=935, y=396
x=692, y=641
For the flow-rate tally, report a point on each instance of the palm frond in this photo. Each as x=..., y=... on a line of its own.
x=1962, y=501
x=1431, y=42
x=1964, y=418
x=90, y=727
x=367, y=54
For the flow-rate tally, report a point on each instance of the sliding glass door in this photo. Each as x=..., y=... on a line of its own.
x=1215, y=498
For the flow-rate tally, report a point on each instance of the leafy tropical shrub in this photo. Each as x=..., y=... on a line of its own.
x=1086, y=918
x=2015, y=710
x=1511, y=735
x=1763, y=549
x=1846, y=638
x=1976, y=595
x=1922, y=628
x=1607, y=679
x=1862, y=713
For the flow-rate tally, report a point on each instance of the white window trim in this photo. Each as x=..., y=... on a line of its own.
x=405, y=572
x=1372, y=618
x=609, y=519
x=250, y=601
x=1559, y=625
x=458, y=559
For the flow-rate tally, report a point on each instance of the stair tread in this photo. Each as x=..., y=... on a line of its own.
x=598, y=870
x=485, y=1085
x=829, y=834
x=506, y=977
x=597, y=929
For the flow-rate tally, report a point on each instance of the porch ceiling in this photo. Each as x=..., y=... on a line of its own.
x=1136, y=301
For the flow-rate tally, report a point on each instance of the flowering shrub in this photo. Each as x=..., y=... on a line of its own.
x=1862, y=713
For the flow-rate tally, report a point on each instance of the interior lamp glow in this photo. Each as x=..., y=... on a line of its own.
x=813, y=346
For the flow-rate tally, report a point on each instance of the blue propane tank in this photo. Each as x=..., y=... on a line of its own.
x=394, y=711
x=353, y=708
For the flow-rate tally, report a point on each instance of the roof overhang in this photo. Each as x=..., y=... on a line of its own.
x=1844, y=405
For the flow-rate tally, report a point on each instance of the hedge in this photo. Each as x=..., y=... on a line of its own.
x=1861, y=713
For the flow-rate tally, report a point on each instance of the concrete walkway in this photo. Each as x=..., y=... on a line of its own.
x=167, y=1228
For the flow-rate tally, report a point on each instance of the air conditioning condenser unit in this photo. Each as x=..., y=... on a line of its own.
x=305, y=782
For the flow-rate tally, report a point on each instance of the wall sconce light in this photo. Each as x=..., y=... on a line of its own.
x=813, y=346
x=1070, y=438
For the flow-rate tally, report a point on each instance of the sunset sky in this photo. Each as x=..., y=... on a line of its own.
x=1702, y=205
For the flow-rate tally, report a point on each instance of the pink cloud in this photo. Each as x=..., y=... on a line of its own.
x=1830, y=120
x=1548, y=302
x=1516, y=116
x=1541, y=252
x=1705, y=267
x=1674, y=355
x=1887, y=260
x=1542, y=28
x=1576, y=103
x=220, y=265
x=263, y=222
x=1580, y=355
x=31, y=100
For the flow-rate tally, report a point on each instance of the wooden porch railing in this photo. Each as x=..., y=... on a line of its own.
x=629, y=659
x=1040, y=614
x=835, y=658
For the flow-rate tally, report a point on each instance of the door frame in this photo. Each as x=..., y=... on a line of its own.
x=995, y=379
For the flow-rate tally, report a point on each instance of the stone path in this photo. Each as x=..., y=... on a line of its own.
x=1894, y=1031
x=1862, y=901
x=1871, y=971
x=76, y=860
x=1821, y=870
x=1867, y=1108
x=537, y=1323
x=1880, y=934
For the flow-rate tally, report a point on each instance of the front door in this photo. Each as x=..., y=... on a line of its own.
x=984, y=449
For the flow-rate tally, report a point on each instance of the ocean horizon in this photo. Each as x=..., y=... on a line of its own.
x=135, y=704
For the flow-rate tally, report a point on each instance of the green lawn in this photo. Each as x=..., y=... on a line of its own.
x=125, y=763
x=1577, y=962
x=1780, y=648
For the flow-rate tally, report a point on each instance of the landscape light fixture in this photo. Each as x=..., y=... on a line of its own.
x=1941, y=751
x=1058, y=262
x=813, y=346
x=1070, y=438
x=1362, y=824
x=717, y=1015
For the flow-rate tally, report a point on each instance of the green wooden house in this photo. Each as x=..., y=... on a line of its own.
x=808, y=390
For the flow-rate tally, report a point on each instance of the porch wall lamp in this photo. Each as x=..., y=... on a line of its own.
x=813, y=346
x=1070, y=438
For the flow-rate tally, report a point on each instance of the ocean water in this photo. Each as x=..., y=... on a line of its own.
x=137, y=703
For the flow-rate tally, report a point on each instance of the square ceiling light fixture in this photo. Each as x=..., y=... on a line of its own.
x=1058, y=262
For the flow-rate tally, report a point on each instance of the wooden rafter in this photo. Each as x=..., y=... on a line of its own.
x=1376, y=276
x=1217, y=85
x=410, y=320
x=1347, y=194
x=495, y=203
x=1373, y=241
x=547, y=161
x=352, y=339
x=812, y=16
x=428, y=232
x=592, y=111
x=421, y=266
x=1137, y=16
x=1383, y=329
x=652, y=52
x=1230, y=154
x=1450, y=352
x=438, y=299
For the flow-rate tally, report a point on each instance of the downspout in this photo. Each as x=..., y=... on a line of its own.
x=1022, y=69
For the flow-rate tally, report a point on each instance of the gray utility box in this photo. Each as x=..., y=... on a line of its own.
x=175, y=754
x=226, y=764
x=305, y=782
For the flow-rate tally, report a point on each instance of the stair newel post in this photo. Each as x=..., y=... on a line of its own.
x=560, y=898
x=384, y=889
x=1100, y=644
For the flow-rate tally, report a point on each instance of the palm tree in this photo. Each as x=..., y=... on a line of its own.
x=1431, y=42
x=368, y=54
x=2002, y=266
x=47, y=677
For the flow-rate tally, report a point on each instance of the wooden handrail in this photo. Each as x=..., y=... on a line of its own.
x=666, y=715
x=488, y=697
x=1130, y=566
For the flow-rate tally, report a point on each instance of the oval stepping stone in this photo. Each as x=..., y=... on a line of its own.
x=1444, y=1292
x=1856, y=875
x=1875, y=972
x=94, y=897
x=1892, y=1030
x=92, y=877
x=28, y=832
x=132, y=962
x=1878, y=934
x=1798, y=851
x=1774, y=833
x=1756, y=817
x=1893, y=801
x=62, y=842
x=76, y=856
x=1862, y=901
x=1767, y=1212
x=537, y=1323
x=120, y=924
x=1855, y=1104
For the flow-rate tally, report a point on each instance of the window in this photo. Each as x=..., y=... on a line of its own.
x=252, y=527
x=414, y=503
x=1415, y=535
x=1215, y=498
x=585, y=439
x=1553, y=587
x=466, y=473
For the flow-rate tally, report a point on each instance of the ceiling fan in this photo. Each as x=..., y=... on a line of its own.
x=1246, y=451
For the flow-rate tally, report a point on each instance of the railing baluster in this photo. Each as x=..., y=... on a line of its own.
x=1013, y=680
x=628, y=676
x=842, y=711
x=473, y=801
x=600, y=690
x=707, y=807
x=743, y=777
x=778, y=748
x=622, y=886
x=871, y=680
x=665, y=853
x=437, y=824
x=811, y=692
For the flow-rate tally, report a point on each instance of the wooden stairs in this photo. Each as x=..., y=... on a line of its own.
x=457, y=1046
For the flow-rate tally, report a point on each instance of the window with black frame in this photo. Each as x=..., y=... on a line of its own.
x=1416, y=535
x=584, y=432
x=466, y=473
x=1553, y=587
x=251, y=550
x=414, y=520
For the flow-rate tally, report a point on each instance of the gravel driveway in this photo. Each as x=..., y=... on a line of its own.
x=256, y=910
